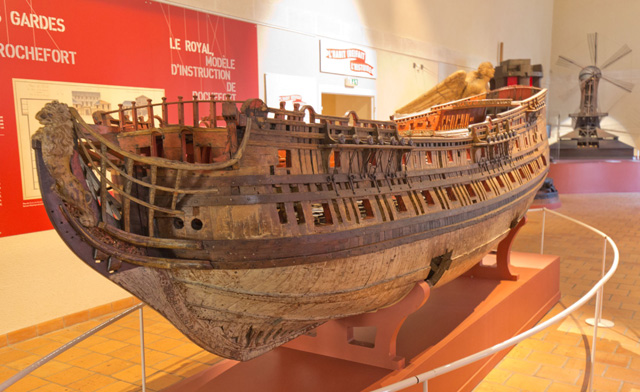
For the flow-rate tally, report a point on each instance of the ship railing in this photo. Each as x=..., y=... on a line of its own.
x=195, y=112
x=499, y=124
x=113, y=175
x=505, y=96
x=491, y=127
x=453, y=133
x=367, y=134
x=296, y=120
x=596, y=290
x=516, y=93
x=474, y=102
x=352, y=128
x=351, y=118
x=42, y=361
x=357, y=130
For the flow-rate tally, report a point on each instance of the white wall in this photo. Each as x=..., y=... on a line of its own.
x=457, y=34
x=399, y=82
x=39, y=277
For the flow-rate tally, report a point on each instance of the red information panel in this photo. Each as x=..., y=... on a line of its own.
x=95, y=55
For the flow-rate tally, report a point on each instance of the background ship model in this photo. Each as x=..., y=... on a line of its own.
x=248, y=234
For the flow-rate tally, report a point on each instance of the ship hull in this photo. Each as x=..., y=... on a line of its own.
x=244, y=313
x=245, y=255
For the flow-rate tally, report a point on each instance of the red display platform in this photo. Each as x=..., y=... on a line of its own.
x=595, y=176
x=465, y=316
x=549, y=205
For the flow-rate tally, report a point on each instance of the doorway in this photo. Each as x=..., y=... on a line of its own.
x=339, y=104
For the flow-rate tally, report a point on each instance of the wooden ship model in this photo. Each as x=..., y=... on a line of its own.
x=251, y=225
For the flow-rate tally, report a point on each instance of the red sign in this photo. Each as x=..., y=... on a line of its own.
x=96, y=54
x=358, y=59
x=290, y=98
x=345, y=58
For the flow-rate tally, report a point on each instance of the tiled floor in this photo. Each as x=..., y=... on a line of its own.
x=552, y=361
x=557, y=358
x=109, y=360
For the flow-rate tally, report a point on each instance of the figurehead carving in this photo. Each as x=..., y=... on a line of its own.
x=57, y=140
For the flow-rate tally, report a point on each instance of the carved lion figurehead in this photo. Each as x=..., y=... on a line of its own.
x=53, y=110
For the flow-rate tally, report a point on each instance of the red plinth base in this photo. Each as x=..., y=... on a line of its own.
x=549, y=206
x=595, y=176
x=474, y=314
x=368, y=338
x=459, y=319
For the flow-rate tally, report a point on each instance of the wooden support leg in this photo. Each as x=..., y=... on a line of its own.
x=501, y=270
x=368, y=338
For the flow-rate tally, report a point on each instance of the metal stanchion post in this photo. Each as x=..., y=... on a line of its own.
x=593, y=342
x=558, y=141
x=597, y=319
x=142, y=362
x=544, y=215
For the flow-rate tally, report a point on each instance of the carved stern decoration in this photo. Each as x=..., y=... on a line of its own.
x=247, y=226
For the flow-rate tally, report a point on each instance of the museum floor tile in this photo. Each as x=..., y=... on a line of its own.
x=551, y=361
x=557, y=359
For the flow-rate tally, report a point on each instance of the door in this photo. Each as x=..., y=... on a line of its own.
x=339, y=104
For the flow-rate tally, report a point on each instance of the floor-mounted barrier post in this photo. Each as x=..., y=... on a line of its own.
x=142, y=361
x=544, y=215
x=597, y=320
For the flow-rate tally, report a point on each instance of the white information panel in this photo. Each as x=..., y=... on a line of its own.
x=291, y=89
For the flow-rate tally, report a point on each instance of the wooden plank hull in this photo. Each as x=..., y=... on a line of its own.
x=243, y=313
x=305, y=222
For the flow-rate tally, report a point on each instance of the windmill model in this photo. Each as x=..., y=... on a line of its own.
x=588, y=140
